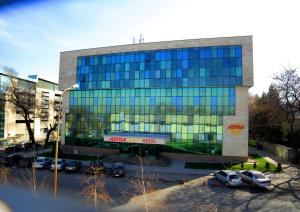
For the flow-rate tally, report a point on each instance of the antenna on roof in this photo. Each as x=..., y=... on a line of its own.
x=141, y=40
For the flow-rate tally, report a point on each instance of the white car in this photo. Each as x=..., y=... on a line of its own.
x=61, y=163
x=229, y=178
x=41, y=162
x=255, y=178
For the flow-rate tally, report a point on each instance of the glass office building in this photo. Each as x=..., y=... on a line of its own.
x=181, y=92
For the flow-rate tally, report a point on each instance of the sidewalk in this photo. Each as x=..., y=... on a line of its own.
x=31, y=153
x=290, y=171
x=176, y=167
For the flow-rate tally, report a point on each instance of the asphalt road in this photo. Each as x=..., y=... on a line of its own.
x=244, y=198
x=70, y=185
x=199, y=196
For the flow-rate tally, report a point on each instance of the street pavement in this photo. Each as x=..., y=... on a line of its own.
x=199, y=191
x=70, y=186
x=207, y=194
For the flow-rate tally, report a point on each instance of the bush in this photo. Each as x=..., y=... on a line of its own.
x=252, y=142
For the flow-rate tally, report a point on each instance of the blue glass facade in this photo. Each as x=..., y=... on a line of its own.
x=182, y=92
x=190, y=67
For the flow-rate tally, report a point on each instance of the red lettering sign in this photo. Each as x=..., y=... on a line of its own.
x=117, y=139
x=149, y=140
x=236, y=127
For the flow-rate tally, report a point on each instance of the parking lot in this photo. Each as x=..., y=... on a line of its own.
x=175, y=191
x=203, y=189
x=70, y=185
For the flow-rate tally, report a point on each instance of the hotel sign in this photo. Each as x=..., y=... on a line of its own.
x=235, y=129
x=133, y=139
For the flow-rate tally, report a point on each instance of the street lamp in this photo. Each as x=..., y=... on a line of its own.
x=57, y=137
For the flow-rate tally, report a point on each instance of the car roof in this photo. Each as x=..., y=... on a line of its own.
x=72, y=161
x=229, y=171
x=254, y=172
x=41, y=158
x=119, y=164
x=8, y=156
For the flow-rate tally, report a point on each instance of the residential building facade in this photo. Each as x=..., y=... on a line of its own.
x=45, y=98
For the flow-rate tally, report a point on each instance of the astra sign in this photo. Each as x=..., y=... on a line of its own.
x=235, y=129
x=132, y=139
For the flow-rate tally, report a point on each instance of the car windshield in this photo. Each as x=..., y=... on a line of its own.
x=39, y=160
x=58, y=162
x=96, y=164
x=259, y=176
x=71, y=164
x=233, y=176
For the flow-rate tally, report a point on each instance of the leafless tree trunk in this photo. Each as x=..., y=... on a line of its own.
x=51, y=128
x=143, y=184
x=21, y=95
x=95, y=191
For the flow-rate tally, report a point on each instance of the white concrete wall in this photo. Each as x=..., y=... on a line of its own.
x=237, y=145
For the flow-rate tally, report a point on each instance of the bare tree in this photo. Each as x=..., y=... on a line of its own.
x=4, y=175
x=50, y=129
x=95, y=190
x=53, y=126
x=20, y=94
x=266, y=117
x=288, y=85
x=29, y=180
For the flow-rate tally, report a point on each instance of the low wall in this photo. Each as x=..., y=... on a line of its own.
x=69, y=149
x=202, y=158
x=283, y=152
x=82, y=150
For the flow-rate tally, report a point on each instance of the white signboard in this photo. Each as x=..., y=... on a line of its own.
x=133, y=139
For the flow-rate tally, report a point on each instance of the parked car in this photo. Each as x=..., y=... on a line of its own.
x=73, y=166
x=12, y=149
x=42, y=162
x=26, y=162
x=255, y=178
x=27, y=146
x=118, y=169
x=229, y=178
x=95, y=168
x=61, y=163
x=1, y=159
x=12, y=160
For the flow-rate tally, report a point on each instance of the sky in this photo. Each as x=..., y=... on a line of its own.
x=33, y=33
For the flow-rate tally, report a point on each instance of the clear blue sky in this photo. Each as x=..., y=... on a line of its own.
x=32, y=34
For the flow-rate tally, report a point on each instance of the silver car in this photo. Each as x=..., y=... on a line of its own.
x=41, y=162
x=229, y=178
x=61, y=163
x=255, y=178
